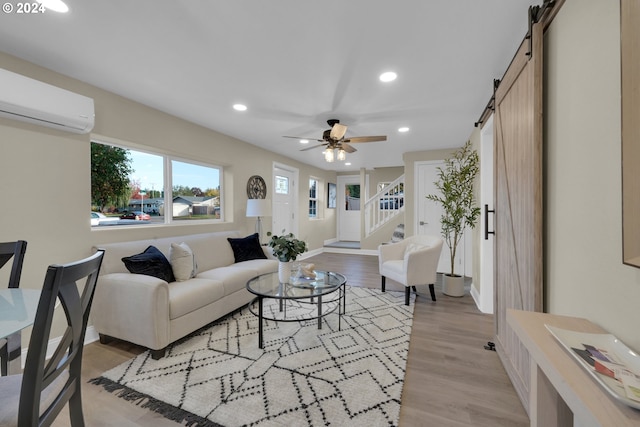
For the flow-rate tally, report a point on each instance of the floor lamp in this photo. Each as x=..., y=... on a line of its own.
x=258, y=208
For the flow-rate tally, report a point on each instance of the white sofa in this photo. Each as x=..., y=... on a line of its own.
x=150, y=312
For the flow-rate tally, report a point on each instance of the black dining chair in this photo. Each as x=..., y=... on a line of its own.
x=10, y=346
x=36, y=397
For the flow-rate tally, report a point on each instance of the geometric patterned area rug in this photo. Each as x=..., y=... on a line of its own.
x=304, y=376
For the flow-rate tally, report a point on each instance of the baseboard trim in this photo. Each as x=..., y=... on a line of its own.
x=351, y=251
x=476, y=296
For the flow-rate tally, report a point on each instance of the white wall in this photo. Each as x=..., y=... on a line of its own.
x=585, y=276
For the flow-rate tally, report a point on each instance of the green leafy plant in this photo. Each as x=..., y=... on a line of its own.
x=455, y=182
x=286, y=247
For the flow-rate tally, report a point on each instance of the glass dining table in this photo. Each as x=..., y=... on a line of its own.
x=17, y=311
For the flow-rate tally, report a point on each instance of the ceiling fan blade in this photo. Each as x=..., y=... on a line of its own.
x=338, y=131
x=315, y=146
x=366, y=139
x=348, y=148
x=302, y=137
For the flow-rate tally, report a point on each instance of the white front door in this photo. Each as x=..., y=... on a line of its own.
x=349, y=202
x=284, y=200
x=428, y=214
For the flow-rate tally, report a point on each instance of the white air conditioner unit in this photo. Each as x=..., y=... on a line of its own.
x=29, y=100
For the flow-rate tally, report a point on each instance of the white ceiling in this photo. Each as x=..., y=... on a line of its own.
x=294, y=63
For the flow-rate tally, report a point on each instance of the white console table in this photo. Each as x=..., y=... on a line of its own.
x=561, y=392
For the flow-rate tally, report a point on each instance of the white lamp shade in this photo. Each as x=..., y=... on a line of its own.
x=258, y=207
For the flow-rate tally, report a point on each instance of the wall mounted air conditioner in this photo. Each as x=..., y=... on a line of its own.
x=29, y=100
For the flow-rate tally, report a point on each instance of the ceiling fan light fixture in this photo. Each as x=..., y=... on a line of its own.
x=328, y=155
x=388, y=76
x=342, y=155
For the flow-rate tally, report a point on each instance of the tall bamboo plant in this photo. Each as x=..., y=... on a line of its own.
x=455, y=183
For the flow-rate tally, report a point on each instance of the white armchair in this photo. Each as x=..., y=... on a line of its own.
x=412, y=261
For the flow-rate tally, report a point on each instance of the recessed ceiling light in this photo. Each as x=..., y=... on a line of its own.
x=55, y=5
x=388, y=76
x=348, y=164
x=239, y=107
x=304, y=141
x=403, y=129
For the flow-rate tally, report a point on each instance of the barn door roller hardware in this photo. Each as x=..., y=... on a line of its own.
x=536, y=13
x=491, y=105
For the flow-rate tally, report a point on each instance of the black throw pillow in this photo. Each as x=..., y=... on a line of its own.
x=151, y=262
x=246, y=248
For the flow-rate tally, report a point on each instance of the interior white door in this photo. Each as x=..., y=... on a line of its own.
x=428, y=213
x=284, y=201
x=349, y=202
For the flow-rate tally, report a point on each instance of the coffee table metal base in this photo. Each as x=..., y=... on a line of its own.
x=340, y=306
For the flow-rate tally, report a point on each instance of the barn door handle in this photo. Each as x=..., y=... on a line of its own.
x=486, y=222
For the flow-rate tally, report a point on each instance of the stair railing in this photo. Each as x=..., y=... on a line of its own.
x=385, y=205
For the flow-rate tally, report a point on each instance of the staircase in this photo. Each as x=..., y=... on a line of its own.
x=384, y=206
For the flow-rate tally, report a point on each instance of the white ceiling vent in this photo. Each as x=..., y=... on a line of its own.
x=29, y=100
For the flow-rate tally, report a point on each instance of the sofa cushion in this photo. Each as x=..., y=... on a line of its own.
x=247, y=248
x=151, y=262
x=232, y=278
x=183, y=262
x=193, y=294
x=259, y=266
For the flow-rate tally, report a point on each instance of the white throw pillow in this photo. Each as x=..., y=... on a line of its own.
x=183, y=261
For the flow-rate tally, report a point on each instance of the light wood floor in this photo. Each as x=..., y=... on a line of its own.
x=451, y=380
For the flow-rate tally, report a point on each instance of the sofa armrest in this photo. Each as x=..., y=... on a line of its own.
x=132, y=307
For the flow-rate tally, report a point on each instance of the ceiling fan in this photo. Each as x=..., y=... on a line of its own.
x=334, y=139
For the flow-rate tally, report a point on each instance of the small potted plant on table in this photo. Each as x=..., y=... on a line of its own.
x=286, y=248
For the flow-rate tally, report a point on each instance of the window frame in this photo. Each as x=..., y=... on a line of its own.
x=317, y=199
x=167, y=183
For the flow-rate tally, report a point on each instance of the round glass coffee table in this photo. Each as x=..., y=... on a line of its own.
x=321, y=296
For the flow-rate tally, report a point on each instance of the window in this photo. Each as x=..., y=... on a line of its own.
x=313, y=198
x=352, y=197
x=130, y=187
x=282, y=185
x=195, y=191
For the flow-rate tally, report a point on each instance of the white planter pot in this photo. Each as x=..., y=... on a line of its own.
x=453, y=286
x=284, y=271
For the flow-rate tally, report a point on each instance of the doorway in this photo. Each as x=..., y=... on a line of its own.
x=349, y=202
x=285, y=200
